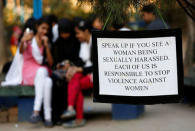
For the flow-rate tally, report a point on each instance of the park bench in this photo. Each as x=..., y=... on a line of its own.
x=22, y=96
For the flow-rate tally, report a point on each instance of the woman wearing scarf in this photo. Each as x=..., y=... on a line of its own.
x=30, y=67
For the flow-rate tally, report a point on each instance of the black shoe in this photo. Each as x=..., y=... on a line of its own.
x=35, y=119
x=48, y=124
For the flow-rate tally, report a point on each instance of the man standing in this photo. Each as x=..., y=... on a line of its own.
x=149, y=15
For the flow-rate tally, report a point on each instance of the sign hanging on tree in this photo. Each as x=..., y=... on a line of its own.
x=138, y=67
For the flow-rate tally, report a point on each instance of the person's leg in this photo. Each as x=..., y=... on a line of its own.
x=82, y=83
x=47, y=98
x=80, y=121
x=79, y=106
x=86, y=83
x=39, y=87
x=73, y=89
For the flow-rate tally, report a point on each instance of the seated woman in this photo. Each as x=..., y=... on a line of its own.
x=34, y=72
x=34, y=51
x=79, y=77
x=66, y=48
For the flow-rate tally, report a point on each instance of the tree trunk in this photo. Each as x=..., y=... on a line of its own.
x=188, y=62
x=3, y=48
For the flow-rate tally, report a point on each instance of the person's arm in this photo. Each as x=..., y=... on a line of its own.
x=72, y=70
x=21, y=47
x=79, y=69
x=47, y=49
x=49, y=57
x=26, y=37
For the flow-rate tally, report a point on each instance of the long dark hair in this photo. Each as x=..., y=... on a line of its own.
x=30, y=23
x=150, y=8
x=45, y=19
x=65, y=26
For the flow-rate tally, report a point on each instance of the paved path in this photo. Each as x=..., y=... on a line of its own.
x=168, y=117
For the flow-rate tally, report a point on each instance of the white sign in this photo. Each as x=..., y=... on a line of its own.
x=137, y=66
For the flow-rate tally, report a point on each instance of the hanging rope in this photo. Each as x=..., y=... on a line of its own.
x=107, y=20
x=161, y=17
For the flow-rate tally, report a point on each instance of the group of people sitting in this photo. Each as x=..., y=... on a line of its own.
x=56, y=58
x=41, y=59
